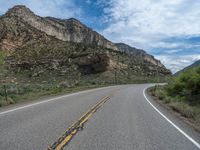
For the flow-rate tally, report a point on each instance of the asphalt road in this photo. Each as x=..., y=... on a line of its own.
x=129, y=120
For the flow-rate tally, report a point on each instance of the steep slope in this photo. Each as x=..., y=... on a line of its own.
x=195, y=64
x=55, y=50
x=138, y=53
x=66, y=30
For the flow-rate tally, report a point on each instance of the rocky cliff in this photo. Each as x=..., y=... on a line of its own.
x=139, y=53
x=63, y=29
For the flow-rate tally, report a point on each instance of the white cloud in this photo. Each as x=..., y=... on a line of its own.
x=172, y=17
x=176, y=63
x=151, y=20
x=172, y=51
x=147, y=23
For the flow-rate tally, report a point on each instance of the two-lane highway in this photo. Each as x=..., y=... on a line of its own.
x=126, y=121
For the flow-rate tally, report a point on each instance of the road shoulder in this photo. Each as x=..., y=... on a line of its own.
x=176, y=117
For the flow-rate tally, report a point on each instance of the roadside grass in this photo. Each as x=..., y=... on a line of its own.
x=26, y=89
x=21, y=93
x=178, y=104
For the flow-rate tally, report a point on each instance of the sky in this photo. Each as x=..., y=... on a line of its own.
x=167, y=29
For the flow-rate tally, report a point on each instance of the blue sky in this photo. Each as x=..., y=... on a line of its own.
x=167, y=29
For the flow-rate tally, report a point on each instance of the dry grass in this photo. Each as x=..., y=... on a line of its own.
x=183, y=108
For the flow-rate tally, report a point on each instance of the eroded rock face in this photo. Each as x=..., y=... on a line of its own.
x=92, y=64
x=157, y=67
x=140, y=53
x=16, y=33
x=65, y=30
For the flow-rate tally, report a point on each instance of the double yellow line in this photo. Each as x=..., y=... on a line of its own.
x=77, y=126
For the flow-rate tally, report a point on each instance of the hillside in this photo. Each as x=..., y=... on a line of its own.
x=138, y=53
x=195, y=64
x=45, y=54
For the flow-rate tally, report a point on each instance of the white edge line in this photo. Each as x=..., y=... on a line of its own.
x=52, y=99
x=175, y=126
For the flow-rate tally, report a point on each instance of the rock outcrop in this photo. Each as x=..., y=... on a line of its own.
x=93, y=63
x=138, y=53
x=63, y=29
x=142, y=55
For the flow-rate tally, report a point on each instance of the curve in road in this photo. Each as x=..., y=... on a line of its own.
x=125, y=122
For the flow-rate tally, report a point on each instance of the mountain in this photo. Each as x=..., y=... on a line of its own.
x=46, y=49
x=63, y=29
x=195, y=64
x=138, y=53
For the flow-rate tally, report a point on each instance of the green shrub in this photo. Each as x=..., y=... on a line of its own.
x=186, y=86
x=182, y=94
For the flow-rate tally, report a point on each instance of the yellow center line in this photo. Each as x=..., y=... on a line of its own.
x=74, y=128
x=68, y=138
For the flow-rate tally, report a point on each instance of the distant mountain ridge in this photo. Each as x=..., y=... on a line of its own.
x=195, y=64
x=139, y=53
